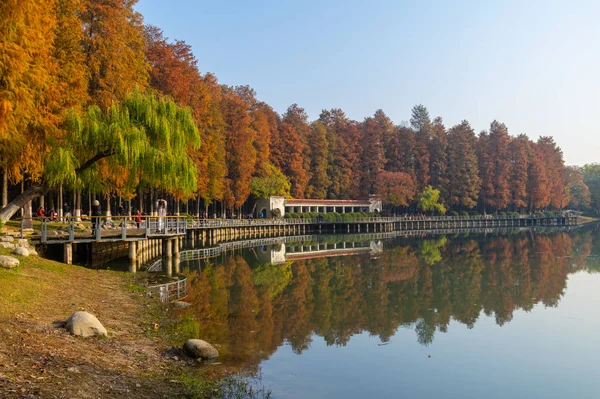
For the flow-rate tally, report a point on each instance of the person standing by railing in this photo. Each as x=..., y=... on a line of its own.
x=96, y=216
x=138, y=218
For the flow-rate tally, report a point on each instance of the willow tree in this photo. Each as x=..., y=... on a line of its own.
x=147, y=135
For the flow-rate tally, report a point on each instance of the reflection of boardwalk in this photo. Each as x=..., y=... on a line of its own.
x=310, y=246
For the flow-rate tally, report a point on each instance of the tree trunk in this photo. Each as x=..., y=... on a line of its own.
x=21, y=200
x=60, y=202
x=4, y=188
x=77, y=202
x=108, y=214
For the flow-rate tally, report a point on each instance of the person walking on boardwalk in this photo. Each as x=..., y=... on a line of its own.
x=162, y=213
x=96, y=216
x=138, y=218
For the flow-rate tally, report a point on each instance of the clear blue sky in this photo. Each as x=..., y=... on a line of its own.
x=531, y=64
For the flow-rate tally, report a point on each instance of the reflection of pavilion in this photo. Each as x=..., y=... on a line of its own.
x=300, y=251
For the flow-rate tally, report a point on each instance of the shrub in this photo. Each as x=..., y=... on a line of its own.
x=463, y=213
x=473, y=213
x=453, y=213
x=502, y=213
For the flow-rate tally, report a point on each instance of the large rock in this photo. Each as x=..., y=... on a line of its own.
x=200, y=349
x=21, y=251
x=85, y=324
x=7, y=238
x=23, y=242
x=7, y=245
x=8, y=262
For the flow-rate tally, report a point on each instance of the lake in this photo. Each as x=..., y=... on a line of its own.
x=489, y=315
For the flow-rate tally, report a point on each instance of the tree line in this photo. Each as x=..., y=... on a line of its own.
x=94, y=101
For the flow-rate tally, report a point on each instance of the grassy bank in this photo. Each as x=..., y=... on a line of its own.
x=38, y=359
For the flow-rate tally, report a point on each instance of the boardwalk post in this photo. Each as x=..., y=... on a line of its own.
x=68, y=253
x=123, y=229
x=71, y=230
x=132, y=256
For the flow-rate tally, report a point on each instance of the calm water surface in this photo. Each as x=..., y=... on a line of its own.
x=496, y=315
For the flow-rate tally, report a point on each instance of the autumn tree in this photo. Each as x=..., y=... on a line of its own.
x=72, y=76
x=319, y=153
x=113, y=46
x=438, y=162
x=421, y=124
x=463, y=172
x=538, y=187
x=286, y=154
x=576, y=189
x=553, y=160
x=296, y=117
x=374, y=131
x=519, y=150
x=401, y=153
x=395, y=188
x=29, y=94
x=343, y=138
x=494, y=166
x=241, y=154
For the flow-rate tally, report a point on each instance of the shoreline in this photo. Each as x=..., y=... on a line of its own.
x=39, y=359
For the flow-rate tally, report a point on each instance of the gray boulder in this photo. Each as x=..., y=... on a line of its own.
x=8, y=262
x=7, y=245
x=85, y=324
x=21, y=251
x=200, y=349
x=23, y=242
x=7, y=238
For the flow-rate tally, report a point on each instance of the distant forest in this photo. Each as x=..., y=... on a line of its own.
x=93, y=103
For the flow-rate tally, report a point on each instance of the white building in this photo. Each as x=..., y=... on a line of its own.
x=267, y=207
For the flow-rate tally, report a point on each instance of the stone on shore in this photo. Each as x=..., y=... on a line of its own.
x=198, y=348
x=7, y=245
x=7, y=238
x=21, y=251
x=8, y=262
x=85, y=324
x=23, y=242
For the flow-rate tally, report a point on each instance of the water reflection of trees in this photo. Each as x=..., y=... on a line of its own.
x=424, y=285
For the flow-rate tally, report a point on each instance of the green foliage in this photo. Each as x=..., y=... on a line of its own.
x=273, y=278
x=591, y=177
x=429, y=250
x=453, y=213
x=273, y=183
x=463, y=213
x=147, y=135
x=429, y=201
